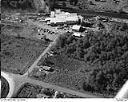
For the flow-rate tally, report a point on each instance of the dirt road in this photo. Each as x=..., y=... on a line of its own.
x=59, y=32
x=20, y=80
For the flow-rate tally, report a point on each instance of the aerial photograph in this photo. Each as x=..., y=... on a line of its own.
x=52, y=49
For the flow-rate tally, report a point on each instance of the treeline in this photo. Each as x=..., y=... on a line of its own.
x=119, y=28
x=18, y=4
x=108, y=52
x=106, y=5
x=94, y=47
x=108, y=80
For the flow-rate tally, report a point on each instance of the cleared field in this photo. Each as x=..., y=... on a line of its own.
x=17, y=54
x=68, y=72
x=26, y=31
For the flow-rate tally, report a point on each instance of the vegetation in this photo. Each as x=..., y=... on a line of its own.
x=34, y=91
x=100, y=5
x=119, y=28
x=26, y=31
x=96, y=5
x=66, y=71
x=49, y=92
x=4, y=87
x=36, y=74
x=17, y=54
x=105, y=56
x=28, y=91
x=23, y=4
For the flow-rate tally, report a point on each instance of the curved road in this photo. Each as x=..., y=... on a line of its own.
x=20, y=80
x=16, y=81
x=11, y=83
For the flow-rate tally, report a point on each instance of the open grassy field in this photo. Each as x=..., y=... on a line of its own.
x=26, y=31
x=68, y=72
x=18, y=54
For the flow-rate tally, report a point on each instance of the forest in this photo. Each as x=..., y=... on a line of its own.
x=107, y=52
x=94, y=5
x=18, y=4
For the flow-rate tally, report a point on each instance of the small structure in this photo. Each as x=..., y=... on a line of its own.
x=52, y=14
x=57, y=11
x=41, y=96
x=45, y=67
x=78, y=28
x=40, y=70
x=55, y=94
x=78, y=34
x=50, y=54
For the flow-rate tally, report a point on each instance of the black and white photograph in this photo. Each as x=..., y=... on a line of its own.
x=64, y=49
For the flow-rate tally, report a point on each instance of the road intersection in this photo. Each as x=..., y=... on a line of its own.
x=20, y=80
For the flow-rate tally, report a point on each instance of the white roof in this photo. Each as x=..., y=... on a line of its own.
x=63, y=17
x=57, y=20
x=48, y=19
x=76, y=27
x=72, y=18
x=77, y=34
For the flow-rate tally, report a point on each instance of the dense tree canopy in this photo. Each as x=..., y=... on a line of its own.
x=106, y=51
x=99, y=47
x=18, y=3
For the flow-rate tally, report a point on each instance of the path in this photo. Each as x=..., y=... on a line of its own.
x=21, y=80
x=44, y=26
